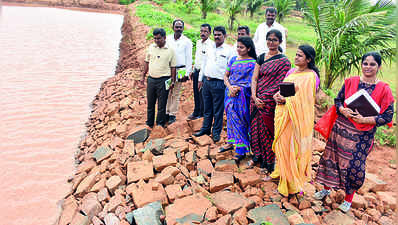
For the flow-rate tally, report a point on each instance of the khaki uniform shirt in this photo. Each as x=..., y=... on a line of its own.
x=160, y=60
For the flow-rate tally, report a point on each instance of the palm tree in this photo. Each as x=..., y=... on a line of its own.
x=347, y=29
x=233, y=7
x=207, y=6
x=253, y=6
x=283, y=8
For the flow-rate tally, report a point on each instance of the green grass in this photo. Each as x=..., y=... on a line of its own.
x=126, y=2
x=152, y=17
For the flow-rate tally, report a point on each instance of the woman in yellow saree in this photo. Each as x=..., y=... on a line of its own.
x=294, y=122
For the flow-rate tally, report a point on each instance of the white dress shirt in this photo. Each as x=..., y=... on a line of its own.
x=183, y=50
x=260, y=37
x=235, y=49
x=201, y=50
x=216, y=62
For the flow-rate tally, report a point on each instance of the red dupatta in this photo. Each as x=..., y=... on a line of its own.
x=382, y=95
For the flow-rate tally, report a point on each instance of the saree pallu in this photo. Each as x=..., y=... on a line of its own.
x=294, y=122
x=271, y=74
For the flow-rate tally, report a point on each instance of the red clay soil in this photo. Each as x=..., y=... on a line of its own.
x=133, y=44
x=382, y=161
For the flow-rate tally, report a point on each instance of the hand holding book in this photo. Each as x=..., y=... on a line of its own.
x=356, y=116
x=363, y=103
x=347, y=112
x=279, y=99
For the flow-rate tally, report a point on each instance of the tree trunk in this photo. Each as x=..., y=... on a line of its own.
x=251, y=14
x=231, y=23
x=204, y=14
x=328, y=78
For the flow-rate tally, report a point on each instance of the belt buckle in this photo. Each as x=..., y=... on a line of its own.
x=208, y=78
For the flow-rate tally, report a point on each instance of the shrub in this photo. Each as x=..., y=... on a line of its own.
x=385, y=136
x=126, y=2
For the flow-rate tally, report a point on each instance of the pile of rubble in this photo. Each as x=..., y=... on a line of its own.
x=175, y=178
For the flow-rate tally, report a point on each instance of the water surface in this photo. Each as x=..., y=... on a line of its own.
x=52, y=63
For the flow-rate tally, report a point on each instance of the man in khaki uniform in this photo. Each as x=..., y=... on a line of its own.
x=160, y=64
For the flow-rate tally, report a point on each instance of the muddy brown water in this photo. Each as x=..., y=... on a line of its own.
x=52, y=63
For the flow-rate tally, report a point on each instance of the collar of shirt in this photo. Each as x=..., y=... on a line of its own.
x=171, y=38
x=156, y=46
x=208, y=40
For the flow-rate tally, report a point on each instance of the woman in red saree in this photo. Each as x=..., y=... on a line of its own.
x=350, y=135
x=270, y=70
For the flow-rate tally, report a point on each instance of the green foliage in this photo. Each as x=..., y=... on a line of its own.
x=283, y=7
x=299, y=33
x=233, y=7
x=330, y=93
x=266, y=223
x=153, y=18
x=190, y=5
x=253, y=5
x=160, y=2
x=194, y=36
x=385, y=136
x=207, y=6
x=187, y=6
x=300, y=4
x=347, y=29
x=327, y=102
x=126, y=2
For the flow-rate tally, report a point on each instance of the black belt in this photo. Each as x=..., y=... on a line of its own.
x=179, y=67
x=212, y=79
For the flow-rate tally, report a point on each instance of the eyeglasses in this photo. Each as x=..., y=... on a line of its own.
x=272, y=40
x=369, y=64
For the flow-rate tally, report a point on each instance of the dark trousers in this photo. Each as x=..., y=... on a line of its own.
x=156, y=90
x=213, y=92
x=197, y=95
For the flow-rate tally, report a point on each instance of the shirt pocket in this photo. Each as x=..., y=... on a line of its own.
x=221, y=60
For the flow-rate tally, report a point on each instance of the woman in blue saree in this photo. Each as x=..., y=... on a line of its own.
x=237, y=97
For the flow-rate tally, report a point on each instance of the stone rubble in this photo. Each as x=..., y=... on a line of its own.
x=176, y=178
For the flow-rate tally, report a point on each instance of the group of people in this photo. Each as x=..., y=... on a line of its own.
x=244, y=81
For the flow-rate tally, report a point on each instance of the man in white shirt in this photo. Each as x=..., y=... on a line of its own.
x=242, y=32
x=260, y=40
x=202, y=47
x=183, y=50
x=211, y=77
